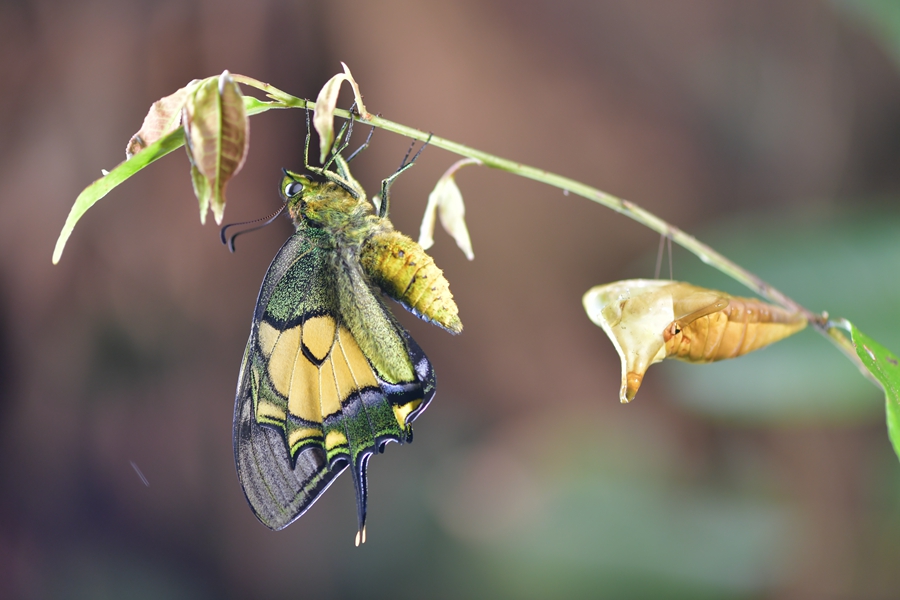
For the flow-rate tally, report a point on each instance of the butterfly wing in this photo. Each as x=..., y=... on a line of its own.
x=309, y=401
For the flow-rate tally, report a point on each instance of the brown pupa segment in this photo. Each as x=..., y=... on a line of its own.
x=402, y=269
x=728, y=328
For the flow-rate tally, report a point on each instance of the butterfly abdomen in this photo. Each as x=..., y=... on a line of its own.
x=402, y=269
x=741, y=326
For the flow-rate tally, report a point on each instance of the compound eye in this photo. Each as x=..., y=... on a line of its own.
x=292, y=189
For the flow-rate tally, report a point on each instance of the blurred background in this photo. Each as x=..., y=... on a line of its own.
x=770, y=129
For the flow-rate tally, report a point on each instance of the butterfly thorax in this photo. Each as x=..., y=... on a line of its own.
x=344, y=224
x=347, y=220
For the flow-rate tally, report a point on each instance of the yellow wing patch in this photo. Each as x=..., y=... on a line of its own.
x=298, y=436
x=282, y=360
x=401, y=411
x=267, y=336
x=360, y=372
x=335, y=439
x=314, y=392
x=303, y=400
x=318, y=336
x=329, y=392
x=266, y=411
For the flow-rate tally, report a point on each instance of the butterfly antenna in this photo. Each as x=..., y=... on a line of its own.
x=230, y=241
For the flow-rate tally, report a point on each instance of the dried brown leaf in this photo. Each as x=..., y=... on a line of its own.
x=163, y=118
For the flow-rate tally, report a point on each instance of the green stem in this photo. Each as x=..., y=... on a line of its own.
x=625, y=207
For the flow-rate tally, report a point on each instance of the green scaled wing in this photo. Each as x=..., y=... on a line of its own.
x=310, y=400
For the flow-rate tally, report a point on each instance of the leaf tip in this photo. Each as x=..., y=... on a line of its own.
x=224, y=78
x=58, y=249
x=357, y=95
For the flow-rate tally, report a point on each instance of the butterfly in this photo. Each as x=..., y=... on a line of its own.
x=329, y=377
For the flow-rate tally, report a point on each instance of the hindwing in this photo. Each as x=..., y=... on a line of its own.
x=309, y=401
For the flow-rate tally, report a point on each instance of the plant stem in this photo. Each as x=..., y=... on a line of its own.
x=625, y=207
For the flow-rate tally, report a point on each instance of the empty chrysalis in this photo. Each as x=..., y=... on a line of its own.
x=652, y=319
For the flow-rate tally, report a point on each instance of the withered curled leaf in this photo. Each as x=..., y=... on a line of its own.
x=217, y=134
x=326, y=102
x=446, y=201
x=163, y=118
x=648, y=320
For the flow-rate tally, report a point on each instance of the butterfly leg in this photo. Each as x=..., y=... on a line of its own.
x=342, y=177
x=339, y=145
x=363, y=147
x=306, y=146
x=387, y=183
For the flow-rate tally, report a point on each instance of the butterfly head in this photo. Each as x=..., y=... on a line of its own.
x=294, y=188
x=320, y=204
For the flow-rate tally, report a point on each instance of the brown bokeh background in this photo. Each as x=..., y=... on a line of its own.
x=756, y=125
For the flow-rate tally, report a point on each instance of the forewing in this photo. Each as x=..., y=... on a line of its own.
x=309, y=402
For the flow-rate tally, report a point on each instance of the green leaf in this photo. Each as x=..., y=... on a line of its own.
x=885, y=367
x=92, y=193
x=255, y=106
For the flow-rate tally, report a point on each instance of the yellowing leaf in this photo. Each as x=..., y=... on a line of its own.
x=217, y=134
x=163, y=118
x=649, y=320
x=326, y=101
x=446, y=201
